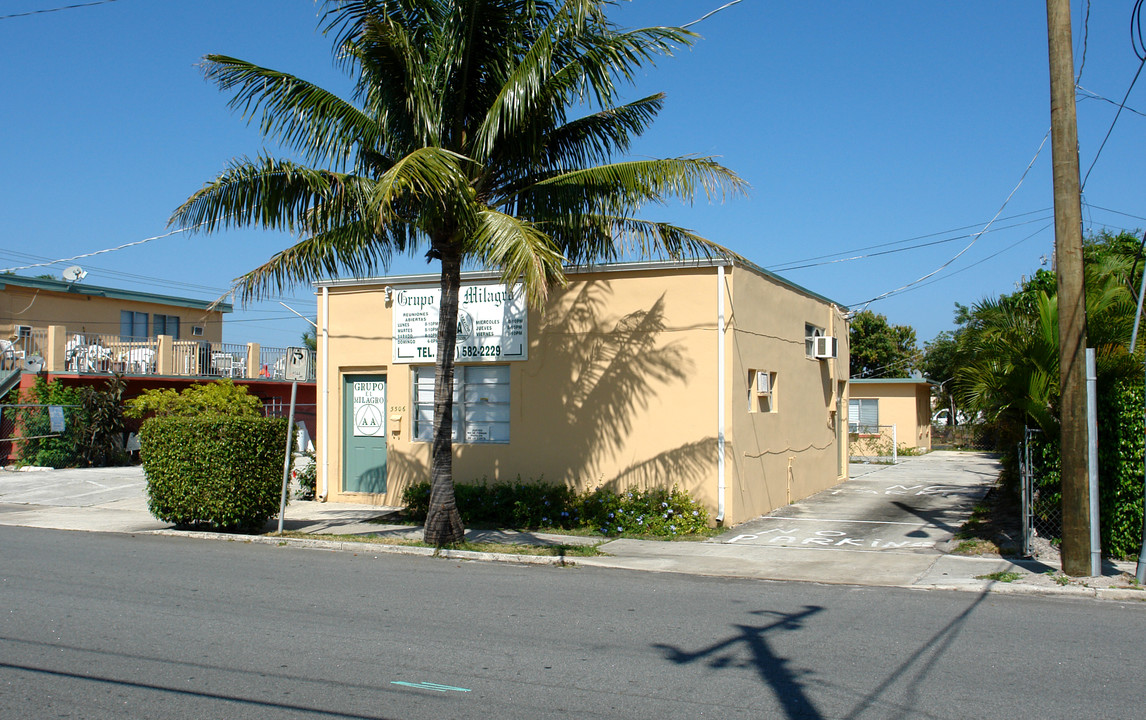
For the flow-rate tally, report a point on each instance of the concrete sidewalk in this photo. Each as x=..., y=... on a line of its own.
x=887, y=526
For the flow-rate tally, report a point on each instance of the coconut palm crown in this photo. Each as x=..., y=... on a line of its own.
x=483, y=132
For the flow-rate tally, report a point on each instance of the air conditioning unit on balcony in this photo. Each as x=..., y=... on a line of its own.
x=22, y=331
x=825, y=347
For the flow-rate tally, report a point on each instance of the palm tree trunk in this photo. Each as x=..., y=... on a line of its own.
x=443, y=523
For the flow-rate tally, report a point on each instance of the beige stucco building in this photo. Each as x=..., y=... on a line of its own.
x=28, y=306
x=703, y=376
x=885, y=403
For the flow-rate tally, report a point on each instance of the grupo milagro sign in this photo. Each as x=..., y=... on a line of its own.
x=491, y=324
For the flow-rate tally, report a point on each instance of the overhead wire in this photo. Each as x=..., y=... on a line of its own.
x=55, y=9
x=785, y=267
x=974, y=238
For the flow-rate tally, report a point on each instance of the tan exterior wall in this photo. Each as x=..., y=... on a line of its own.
x=906, y=405
x=790, y=447
x=620, y=389
x=93, y=314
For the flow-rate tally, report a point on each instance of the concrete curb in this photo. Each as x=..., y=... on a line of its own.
x=614, y=563
x=366, y=547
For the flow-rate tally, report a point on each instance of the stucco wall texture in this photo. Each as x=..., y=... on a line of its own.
x=621, y=388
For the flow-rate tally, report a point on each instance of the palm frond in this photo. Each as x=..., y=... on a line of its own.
x=317, y=123
x=356, y=248
x=634, y=183
x=265, y=192
x=520, y=251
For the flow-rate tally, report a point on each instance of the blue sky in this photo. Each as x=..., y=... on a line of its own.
x=861, y=127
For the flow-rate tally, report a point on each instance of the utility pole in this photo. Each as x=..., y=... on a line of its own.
x=1071, y=293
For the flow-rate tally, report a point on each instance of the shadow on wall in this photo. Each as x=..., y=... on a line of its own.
x=610, y=371
x=614, y=369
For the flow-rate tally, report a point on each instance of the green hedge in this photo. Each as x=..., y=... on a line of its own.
x=224, y=472
x=1120, y=468
x=538, y=505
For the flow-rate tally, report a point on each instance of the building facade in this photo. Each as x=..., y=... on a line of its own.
x=887, y=407
x=723, y=380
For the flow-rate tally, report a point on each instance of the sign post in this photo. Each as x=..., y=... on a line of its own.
x=297, y=367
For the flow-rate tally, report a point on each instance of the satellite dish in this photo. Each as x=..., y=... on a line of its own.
x=74, y=273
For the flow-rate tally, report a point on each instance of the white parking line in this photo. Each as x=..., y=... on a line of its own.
x=870, y=522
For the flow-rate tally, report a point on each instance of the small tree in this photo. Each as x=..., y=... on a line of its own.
x=880, y=349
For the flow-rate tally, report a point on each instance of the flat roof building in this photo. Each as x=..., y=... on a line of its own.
x=722, y=379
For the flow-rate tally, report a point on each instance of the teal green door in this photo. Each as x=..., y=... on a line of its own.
x=364, y=433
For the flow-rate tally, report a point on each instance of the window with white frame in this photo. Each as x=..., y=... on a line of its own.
x=481, y=404
x=811, y=332
x=863, y=416
x=761, y=391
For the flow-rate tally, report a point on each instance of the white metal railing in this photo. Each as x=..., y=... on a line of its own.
x=90, y=352
x=102, y=353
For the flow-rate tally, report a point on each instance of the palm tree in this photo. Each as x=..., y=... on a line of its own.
x=481, y=132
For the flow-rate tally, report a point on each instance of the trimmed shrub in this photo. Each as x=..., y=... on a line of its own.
x=539, y=505
x=224, y=472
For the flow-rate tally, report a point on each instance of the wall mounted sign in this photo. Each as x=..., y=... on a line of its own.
x=491, y=324
x=368, y=405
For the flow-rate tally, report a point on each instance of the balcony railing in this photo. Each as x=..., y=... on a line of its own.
x=70, y=352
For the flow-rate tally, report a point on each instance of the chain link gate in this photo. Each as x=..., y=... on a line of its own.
x=1041, y=499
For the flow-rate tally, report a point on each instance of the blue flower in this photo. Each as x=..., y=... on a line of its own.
x=620, y=529
x=695, y=513
x=672, y=527
x=610, y=514
x=664, y=504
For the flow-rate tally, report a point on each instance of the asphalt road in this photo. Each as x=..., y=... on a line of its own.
x=116, y=626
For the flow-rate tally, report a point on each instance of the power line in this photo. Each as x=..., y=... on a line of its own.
x=710, y=14
x=976, y=237
x=809, y=263
x=55, y=9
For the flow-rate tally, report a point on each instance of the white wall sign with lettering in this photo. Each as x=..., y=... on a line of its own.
x=491, y=324
x=369, y=406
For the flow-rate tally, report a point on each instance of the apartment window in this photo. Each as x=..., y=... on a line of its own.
x=811, y=332
x=132, y=325
x=166, y=325
x=481, y=403
x=863, y=416
x=761, y=391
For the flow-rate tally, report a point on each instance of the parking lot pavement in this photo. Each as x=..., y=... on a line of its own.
x=914, y=507
x=80, y=487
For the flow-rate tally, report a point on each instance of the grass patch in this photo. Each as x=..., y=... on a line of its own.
x=1001, y=576
x=976, y=546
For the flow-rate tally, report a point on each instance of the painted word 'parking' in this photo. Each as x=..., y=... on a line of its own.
x=829, y=538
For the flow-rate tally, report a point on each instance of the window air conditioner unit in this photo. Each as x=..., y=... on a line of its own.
x=22, y=331
x=825, y=347
x=763, y=382
x=197, y=330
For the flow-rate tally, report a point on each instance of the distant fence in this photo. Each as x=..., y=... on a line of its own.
x=34, y=433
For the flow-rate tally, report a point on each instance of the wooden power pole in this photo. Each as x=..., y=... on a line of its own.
x=1071, y=293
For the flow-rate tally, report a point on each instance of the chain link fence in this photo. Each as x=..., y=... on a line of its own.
x=1041, y=498
x=35, y=434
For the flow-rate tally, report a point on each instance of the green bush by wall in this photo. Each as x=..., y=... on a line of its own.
x=540, y=505
x=224, y=472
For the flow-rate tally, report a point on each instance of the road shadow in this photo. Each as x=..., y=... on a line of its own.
x=787, y=680
x=775, y=671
